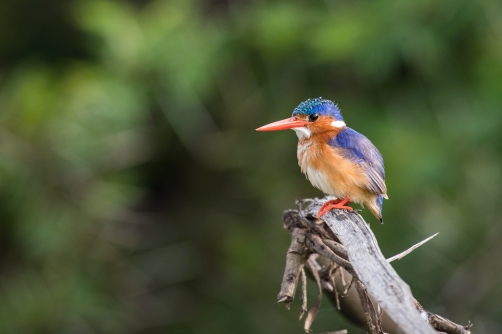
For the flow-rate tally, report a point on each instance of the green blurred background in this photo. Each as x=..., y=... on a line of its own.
x=136, y=196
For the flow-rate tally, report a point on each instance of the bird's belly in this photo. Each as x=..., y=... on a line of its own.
x=321, y=180
x=333, y=174
x=336, y=183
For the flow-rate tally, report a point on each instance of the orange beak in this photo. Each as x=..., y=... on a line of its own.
x=285, y=124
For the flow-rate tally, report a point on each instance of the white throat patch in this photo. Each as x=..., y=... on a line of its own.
x=302, y=132
x=338, y=124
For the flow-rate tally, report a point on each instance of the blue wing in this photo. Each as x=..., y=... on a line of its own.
x=360, y=149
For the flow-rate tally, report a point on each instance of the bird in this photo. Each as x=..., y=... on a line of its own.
x=336, y=159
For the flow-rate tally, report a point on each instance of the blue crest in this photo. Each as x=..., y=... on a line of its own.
x=318, y=106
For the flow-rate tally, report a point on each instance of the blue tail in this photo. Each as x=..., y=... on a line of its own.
x=380, y=204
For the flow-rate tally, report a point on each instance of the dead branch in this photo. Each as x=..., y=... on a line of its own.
x=348, y=248
x=295, y=261
x=409, y=250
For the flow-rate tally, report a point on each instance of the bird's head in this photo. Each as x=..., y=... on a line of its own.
x=313, y=116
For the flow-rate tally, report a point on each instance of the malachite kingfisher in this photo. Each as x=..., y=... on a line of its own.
x=338, y=160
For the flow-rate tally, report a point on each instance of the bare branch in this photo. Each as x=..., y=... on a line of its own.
x=315, y=243
x=373, y=324
x=337, y=248
x=315, y=308
x=347, y=244
x=295, y=261
x=303, y=297
x=409, y=250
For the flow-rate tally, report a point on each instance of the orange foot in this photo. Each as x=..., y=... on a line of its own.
x=334, y=204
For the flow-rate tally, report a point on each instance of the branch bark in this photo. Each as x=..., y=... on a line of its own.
x=347, y=244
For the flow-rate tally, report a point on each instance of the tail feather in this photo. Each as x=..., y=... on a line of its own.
x=376, y=208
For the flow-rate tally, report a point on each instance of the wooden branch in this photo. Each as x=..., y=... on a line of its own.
x=347, y=243
x=369, y=312
x=295, y=261
x=409, y=250
x=373, y=270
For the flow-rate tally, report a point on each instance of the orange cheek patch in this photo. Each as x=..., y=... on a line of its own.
x=323, y=129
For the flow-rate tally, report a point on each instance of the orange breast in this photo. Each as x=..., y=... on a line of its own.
x=333, y=174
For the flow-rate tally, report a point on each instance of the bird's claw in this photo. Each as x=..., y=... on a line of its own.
x=334, y=204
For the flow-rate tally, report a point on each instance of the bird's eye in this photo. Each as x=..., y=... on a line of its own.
x=313, y=117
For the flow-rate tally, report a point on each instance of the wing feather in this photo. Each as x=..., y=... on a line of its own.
x=361, y=150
